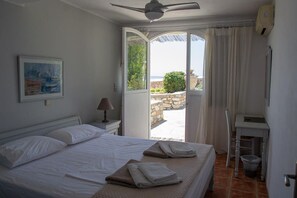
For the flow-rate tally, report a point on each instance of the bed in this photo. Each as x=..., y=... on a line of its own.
x=79, y=170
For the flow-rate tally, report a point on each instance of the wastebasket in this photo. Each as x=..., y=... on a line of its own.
x=250, y=164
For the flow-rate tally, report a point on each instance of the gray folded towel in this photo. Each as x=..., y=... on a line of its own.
x=157, y=172
x=122, y=176
x=141, y=181
x=155, y=151
x=179, y=150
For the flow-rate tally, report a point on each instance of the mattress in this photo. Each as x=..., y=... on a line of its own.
x=79, y=170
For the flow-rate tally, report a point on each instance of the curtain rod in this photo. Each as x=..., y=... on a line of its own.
x=191, y=25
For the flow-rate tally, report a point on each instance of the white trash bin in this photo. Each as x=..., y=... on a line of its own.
x=250, y=164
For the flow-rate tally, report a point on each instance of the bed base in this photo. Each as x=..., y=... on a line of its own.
x=209, y=184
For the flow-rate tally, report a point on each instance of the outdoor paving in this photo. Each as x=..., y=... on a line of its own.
x=172, y=128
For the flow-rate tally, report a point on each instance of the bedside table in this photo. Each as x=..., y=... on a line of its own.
x=112, y=127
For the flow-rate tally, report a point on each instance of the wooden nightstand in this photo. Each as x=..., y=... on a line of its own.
x=111, y=127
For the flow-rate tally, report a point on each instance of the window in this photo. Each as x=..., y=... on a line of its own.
x=197, y=63
x=137, y=65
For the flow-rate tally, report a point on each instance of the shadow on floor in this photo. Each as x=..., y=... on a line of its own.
x=158, y=124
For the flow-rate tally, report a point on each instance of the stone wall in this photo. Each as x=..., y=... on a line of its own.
x=156, y=111
x=175, y=100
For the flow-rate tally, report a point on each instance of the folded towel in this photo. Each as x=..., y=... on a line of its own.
x=156, y=173
x=166, y=148
x=137, y=176
x=155, y=151
x=122, y=176
x=181, y=148
x=142, y=182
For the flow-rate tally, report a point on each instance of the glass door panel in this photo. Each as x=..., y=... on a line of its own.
x=195, y=79
x=137, y=62
x=196, y=62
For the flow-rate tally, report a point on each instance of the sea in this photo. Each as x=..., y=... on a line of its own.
x=156, y=78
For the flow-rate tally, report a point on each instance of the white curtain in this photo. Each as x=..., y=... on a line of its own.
x=227, y=58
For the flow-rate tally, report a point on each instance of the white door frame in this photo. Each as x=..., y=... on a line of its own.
x=189, y=120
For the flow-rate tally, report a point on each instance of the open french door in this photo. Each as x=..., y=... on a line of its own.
x=136, y=102
x=195, y=48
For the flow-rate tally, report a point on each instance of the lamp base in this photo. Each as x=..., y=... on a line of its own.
x=105, y=120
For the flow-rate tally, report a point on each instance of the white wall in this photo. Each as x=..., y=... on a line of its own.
x=256, y=82
x=282, y=112
x=89, y=46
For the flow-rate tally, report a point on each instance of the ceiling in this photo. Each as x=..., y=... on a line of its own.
x=209, y=9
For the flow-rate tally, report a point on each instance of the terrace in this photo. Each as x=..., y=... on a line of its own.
x=172, y=127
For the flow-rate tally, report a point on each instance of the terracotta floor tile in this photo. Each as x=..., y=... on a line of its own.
x=262, y=195
x=244, y=185
x=262, y=188
x=221, y=181
x=242, y=194
x=223, y=172
x=221, y=156
x=226, y=185
x=219, y=192
x=220, y=165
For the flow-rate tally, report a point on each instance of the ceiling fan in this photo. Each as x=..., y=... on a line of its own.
x=155, y=10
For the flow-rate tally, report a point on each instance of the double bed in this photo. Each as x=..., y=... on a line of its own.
x=79, y=170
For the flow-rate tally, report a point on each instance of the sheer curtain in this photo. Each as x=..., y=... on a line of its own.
x=227, y=58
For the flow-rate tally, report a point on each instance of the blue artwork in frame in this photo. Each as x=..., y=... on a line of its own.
x=40, y=78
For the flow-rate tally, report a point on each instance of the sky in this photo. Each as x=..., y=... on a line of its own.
x=171, y=56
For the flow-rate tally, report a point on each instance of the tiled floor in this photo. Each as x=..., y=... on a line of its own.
x=228, y=186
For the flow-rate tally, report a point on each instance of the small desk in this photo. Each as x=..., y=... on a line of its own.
x=252, y=129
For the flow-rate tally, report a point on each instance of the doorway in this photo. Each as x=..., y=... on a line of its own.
x=174, y=110
x=137, y=107
x=168, y=60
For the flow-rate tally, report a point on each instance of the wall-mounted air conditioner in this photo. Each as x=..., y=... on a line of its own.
x=265, y=19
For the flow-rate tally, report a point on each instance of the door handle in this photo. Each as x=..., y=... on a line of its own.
x=287, y=179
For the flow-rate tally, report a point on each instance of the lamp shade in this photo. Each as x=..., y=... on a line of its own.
x=105, y=104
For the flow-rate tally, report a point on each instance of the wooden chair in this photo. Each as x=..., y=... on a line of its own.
x=231, y=141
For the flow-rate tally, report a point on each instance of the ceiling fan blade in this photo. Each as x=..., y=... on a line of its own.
x=142, y=10
x=180, y=6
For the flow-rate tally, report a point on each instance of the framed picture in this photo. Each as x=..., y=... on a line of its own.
x=40, y=78
x=268, y=74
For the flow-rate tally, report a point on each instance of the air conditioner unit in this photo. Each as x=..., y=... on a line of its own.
x=265, y=19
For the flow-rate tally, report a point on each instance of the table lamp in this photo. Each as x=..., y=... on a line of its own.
x=105, y=104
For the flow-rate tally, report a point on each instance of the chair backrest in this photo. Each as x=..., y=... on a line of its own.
x=229, y=130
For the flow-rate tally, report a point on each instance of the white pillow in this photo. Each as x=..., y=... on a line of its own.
x=26, y=149
x=76, y=134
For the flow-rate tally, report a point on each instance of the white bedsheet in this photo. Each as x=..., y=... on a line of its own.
x=70, y=172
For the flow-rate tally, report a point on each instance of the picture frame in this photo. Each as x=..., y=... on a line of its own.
x=40, y=78
x=268, y=74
